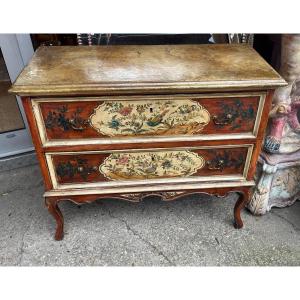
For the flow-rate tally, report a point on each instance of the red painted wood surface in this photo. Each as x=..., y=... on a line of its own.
x=234, y=158
x=243, y=123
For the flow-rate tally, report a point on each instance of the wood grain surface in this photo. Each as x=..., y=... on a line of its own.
x=133, y=69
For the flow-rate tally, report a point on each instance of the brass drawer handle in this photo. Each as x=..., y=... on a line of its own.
x=69, y=169
x=215, y=165
x=224, y=120
x=59, y=118
x=81, y=169
x=78, y=124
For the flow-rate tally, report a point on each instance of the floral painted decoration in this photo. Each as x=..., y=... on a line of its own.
x=154, y=164
x=149, y=117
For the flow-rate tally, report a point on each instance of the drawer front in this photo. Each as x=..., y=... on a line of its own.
x=109, y=119
x=80, y=169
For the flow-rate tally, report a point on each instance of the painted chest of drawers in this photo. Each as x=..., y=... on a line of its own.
x=131, y=121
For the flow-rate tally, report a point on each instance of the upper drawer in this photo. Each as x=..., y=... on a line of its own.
x=121, y=119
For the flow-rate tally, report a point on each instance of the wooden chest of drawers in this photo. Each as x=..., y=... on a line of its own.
x=131, y=121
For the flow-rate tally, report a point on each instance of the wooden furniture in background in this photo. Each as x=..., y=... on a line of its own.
x=120, y=39
x=131, y=121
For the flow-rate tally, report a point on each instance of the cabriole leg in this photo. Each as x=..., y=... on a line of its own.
x=52, y=205
x=239, y=205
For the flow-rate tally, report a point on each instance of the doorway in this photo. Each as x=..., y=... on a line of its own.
x=15, y=52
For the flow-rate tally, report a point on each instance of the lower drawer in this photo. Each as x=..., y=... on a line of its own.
x=134, y=167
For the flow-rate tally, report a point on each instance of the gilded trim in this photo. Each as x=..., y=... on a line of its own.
x=39, y=121
x=150, y=140
x=148, y=188
x=52, y=170
x=144, y=87
x=259, y=113
x=248, y=161
x=160, y=181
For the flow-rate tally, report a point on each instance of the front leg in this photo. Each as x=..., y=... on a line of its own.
x=244, y=197
x=54, y=210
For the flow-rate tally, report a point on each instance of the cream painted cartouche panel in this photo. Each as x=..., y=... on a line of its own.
x=120, y=183
x=147, y=139
x=151, y=164
x=149, y=117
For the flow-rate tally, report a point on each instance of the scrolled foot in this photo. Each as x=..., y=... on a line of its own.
x=238, y=225
x=59, y=233
x=56, y=213
x=240, y=204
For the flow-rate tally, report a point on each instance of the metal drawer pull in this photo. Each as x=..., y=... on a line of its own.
x=58, y=118
x=83, y=168
x=224, y=120
x=215, y=165
x=78, y=124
